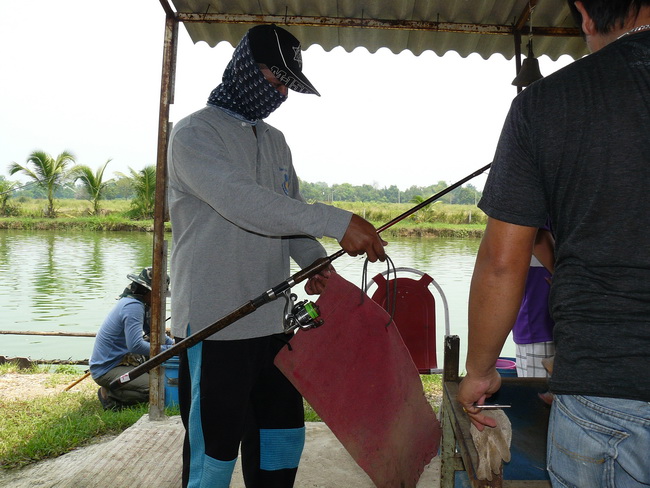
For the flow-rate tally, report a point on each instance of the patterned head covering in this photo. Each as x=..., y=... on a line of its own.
x=144, y=278
x=243, y=89
x=144, y=281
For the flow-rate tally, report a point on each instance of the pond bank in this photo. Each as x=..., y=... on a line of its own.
x=78, y=224
x=460, y=231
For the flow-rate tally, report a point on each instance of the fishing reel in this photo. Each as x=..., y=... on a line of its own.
x=302, y=315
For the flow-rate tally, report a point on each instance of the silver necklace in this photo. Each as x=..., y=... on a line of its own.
x=635, y=30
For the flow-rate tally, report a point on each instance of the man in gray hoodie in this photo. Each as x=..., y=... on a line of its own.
x=238, y=218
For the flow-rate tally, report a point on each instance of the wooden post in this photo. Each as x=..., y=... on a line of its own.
x=451, y=358
x=159, y=284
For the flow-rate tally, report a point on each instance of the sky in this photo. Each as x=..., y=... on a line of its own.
x=84, y=76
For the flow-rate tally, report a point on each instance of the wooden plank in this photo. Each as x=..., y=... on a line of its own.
x=48, y=333
x=451, y=358
x=450, y=460
x=526, y=484
x=461, y=424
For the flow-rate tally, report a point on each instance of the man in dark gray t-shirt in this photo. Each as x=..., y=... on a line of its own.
x=575, y=148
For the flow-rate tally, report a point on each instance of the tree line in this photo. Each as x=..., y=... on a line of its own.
x=61, y=177
x=345, y=192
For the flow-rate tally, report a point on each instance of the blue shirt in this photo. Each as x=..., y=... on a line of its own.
x=120, y=333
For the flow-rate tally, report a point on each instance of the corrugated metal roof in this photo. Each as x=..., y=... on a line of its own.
x=485, y=27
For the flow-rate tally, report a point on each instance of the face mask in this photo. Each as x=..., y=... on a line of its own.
x=243, y=88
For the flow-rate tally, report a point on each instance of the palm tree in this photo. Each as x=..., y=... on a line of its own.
x=425, y=214
x=6, y=189
x=93, y=183
x=144, y=186
x=48, y=173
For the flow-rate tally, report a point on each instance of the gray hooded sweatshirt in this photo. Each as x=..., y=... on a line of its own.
x=237, y=218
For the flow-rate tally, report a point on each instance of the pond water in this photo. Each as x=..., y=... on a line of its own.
x=68, y=281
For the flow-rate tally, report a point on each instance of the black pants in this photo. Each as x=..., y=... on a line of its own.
x=239, y=391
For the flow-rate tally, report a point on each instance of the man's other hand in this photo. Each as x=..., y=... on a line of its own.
x=362, y=238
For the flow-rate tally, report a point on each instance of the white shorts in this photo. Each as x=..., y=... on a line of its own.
x=529, y=359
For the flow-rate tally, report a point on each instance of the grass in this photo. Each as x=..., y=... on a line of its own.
x=435, y=213
x=436, y=220
x=432, y=385
x=68, y=207
x=48, y=426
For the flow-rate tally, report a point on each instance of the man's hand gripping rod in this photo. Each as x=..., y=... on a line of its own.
x=270, y=295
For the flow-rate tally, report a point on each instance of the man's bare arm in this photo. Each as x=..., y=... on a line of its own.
x=496, y=292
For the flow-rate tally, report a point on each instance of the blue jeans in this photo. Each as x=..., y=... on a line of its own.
x=599, y=442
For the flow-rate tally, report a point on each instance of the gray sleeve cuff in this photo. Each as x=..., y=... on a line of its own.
x=337, y=223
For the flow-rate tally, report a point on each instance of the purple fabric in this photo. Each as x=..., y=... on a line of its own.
x=534, y=322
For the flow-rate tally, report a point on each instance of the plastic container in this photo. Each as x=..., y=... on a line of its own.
x=171, y=381
x=507, y=367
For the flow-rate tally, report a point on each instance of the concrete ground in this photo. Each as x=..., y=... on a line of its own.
x=148, y=455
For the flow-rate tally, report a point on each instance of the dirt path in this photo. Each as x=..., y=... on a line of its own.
x=19, y=386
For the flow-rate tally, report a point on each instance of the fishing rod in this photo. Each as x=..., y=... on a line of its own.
x=271, y=294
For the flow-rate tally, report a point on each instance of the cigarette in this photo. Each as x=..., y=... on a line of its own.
x=492, y=407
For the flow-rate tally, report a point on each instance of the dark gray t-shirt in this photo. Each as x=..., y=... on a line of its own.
x=576, y=147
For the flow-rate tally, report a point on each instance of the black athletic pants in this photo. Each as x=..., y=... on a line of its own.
x=240, y=391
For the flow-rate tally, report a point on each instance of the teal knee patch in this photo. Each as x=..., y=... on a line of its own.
x=216, y=474
x=281, y=448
